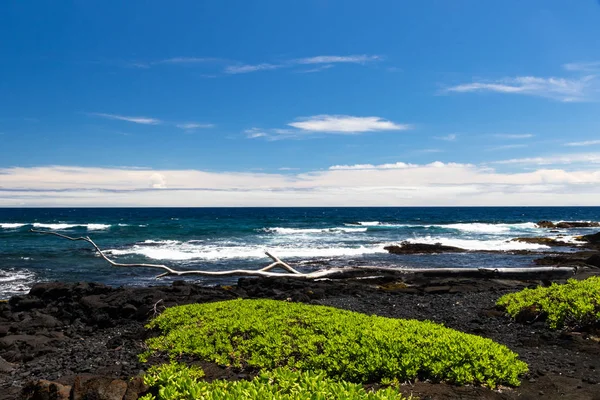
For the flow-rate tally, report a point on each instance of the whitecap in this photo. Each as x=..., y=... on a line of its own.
x=61, y=226
x=478, y=227
x=181, y=251
x=11, y=225
x=295, y=231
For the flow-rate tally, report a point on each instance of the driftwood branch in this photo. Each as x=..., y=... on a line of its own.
x=349, y=272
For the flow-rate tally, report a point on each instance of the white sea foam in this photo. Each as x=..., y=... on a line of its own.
x=471, y=244
x=369, y=223
x=474, y=227
x=150, y=241
x=11, y=225
x=14, y=281
x=180, y=251
x=296, y=231
x=478, y=227
x=61, y=226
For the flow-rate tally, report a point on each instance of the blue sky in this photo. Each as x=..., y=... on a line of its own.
x=299, y=103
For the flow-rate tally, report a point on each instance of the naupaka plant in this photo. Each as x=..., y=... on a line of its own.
x=344, y=345
x=575, y=304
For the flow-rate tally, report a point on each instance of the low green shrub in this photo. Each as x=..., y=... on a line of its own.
x=178, y=382
x=571, y=305
x=345, y=345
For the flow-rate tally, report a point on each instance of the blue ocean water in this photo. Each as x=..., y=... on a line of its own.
x=225, y=238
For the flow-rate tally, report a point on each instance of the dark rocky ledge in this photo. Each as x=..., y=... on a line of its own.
x=567, y=224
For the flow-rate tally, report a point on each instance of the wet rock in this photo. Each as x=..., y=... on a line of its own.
x=422, y=248
x=576, y=224
x=592, y=239
x=542, y=240
x=567, y=224
x=546, y=224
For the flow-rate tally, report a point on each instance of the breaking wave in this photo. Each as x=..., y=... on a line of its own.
x=180, y=251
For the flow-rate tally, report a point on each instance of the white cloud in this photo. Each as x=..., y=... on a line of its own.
x=584, y=143
x=593, y=66
x=244, y=69
x=186, y=60
x=513, y=135
x=346, y=124
x=193, y=125
x=137, y=120
x=559, y=159
x=398, y=165
x=254, y=133
x=562, y=89
x=507, y=147
x=316, y=69
x=393, y=184
x=323, y=62
x=449, y=137
x=354, y=59
x=158, y=181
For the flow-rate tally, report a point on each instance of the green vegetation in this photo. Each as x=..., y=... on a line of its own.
x=574, y=304
x=178, y=382
x=344, y=345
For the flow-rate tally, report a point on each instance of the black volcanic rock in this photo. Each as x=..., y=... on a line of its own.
x=568, y=224
x=422, y=248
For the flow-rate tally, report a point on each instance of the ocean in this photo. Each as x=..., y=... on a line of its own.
x=226, y=238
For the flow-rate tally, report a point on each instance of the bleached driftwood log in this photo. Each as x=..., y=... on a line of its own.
x=338, y=273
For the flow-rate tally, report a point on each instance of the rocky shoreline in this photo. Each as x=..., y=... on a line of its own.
x=85, y=337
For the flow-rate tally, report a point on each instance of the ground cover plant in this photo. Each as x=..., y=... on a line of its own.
x=179, y=382
x=575, y=304
x=344, y=345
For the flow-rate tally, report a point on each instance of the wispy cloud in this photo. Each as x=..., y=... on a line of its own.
x=513, y=135
x=316, y=69
x=254, y=133
x=506, y=147
x=593, y=66
x=231, y=67
x=137, y=120
x=187, y=60
x=346, y=124
x=171, y=61
x=193, y=125
x=244, y=69
x=557, y=159
x=451, y=137
x=584, y=143
x=354, y=59
x=188, y=126
x=324, y=62
x=562, y=89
